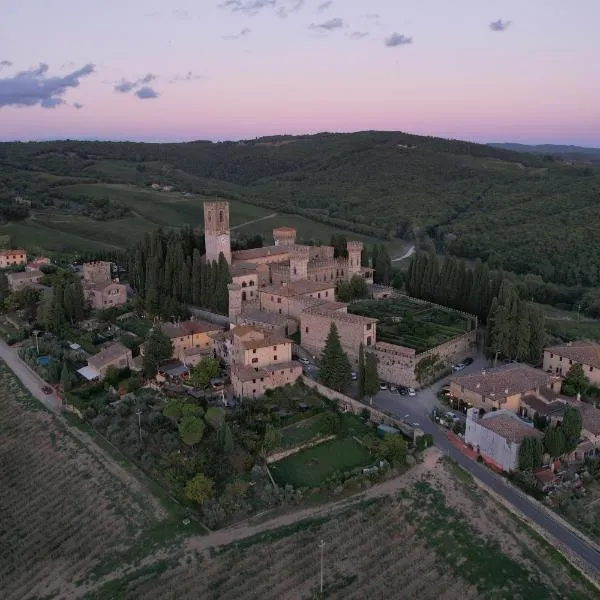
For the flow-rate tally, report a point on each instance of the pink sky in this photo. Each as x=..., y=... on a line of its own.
x=536, y=81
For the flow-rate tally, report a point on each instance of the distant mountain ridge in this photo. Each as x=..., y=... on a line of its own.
x=568, y=152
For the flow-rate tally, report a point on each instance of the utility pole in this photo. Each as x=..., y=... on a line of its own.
x=37, y=343
x=578, y=309
x=321, y=546
x=138, y=412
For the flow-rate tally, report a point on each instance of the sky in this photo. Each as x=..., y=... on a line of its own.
x=154, y=70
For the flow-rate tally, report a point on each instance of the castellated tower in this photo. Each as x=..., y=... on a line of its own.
x=216, y=230
x=235, y=301
x=284, y=236
x=299, y=263
x=354, y=253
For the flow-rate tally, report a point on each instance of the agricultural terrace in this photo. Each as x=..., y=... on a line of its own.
x=412, y=324
x=438, y=536
x=68, y=510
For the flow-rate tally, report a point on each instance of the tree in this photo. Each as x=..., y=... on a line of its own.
x=371, y=376
x=4, y=288
x=74, y=302
x=575, y=381
x=530, y=453
x=393, y=448
x=215, y=416
x=158, y=347
x=571, y=427
x=335, y=369
x=225, y=439
x=272, y=438
x=554, y=442
x=204, y=371
x=191, y=430
x=360, y=375
x=65, y=378
x=540, y=421
x=199, y=489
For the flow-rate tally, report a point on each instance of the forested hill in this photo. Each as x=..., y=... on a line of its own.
x=520, y=211
x=566, y=152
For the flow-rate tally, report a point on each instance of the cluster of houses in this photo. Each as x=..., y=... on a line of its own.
x=504, y=400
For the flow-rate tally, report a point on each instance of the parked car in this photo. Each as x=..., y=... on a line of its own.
x=354, y=376
x=383, y=386
x=468, y=361
x=403, y=390
x=305, y=361
x=393, y=389
x=412, y=392
x=47, y=390
x=459, y=367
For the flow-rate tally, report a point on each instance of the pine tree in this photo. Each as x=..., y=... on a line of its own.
x=65, y=378
x=360, y=375
x=523, y=349
x=371, y=376
x=537, y=335
x=335, y=369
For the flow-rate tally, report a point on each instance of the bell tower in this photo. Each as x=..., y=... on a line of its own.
x=354, y=254
x=216, y=230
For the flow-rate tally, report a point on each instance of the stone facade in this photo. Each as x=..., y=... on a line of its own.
x=97, y=271
x=559, y=359
x=21, y=280
x=216, y=230
x=9, y=258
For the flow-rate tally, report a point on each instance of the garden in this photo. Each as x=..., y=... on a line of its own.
x=412, y=324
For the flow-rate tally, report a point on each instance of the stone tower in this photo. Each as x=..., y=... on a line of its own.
x=235, y=302
x=284, y=236
x=216, y=230
x=354, y=253
x=299, y=263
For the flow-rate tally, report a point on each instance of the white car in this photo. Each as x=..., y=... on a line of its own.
x=304, y=361
x=383, y=386
x=354, y=377
x=412, y=392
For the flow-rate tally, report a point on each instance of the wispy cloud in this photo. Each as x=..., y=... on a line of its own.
x=35, y=88
x=189, y=76
x=146, y=93
x=243, y=33
x=247, y=7
x=397, y=39
x=77, y=105
x=324, y=5
x=330, y=25
x=287, y=7
x=5, y=63
x=358, y=35
x=125, y=86
x=500, y=25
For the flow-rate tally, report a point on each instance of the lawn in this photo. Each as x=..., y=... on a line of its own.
x=310, y=467
x=411, y=324
x=568, y=325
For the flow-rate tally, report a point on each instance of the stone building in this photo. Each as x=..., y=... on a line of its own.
x=22, y=279
x=9, y=258
x=559, y=359
x=99, y=289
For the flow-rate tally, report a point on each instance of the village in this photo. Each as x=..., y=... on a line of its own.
x=102, y=354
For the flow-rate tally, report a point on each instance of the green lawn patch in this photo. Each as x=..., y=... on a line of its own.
x=308, y=468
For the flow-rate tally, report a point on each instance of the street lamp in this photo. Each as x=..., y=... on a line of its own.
x=138, y=412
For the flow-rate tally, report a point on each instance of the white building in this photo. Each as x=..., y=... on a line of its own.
x=497, y=436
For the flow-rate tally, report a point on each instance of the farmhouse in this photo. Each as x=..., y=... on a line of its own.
x=499, y=388
x=9, y=258
x=191, y=339
x=99, y=289
x=559, y=359
x=20, y=280
x=116, y=355
x=497, y=436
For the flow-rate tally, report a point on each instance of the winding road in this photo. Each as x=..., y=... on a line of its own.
x=407, y=254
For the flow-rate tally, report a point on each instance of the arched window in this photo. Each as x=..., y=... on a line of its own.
x=251, y=283
x=244, y=284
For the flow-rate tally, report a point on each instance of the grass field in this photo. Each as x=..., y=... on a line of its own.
x=55, y=231
x=438, y=538
x=411, y=324
x=310, y=467
x=568, y=325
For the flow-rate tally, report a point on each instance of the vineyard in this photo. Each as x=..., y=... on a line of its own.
x=412, y=324
x=66, y=508
x=439, y=537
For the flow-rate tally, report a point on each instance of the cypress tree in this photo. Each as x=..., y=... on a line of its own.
x=360, y=375
x=371, y=376
x=523, y=329
x=335, y=370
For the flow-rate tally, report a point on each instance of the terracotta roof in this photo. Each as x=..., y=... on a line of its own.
x=260, y=252
x=24, y=275
x=546, y=409
x=586, y=353
x=503, y=381
x=240, y=269
x=298, y=288
x=267, y=340
x=545, y=476
x=11, y=252
x=590, y=416
x=284, y=230
x=511, y=428
x=175, y=330
x=109, y=354
x=264, y=316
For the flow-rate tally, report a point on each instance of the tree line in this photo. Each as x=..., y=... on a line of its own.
x=169, y=272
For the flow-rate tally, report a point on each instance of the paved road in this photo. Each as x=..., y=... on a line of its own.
x=30, y=379
x=417, y=410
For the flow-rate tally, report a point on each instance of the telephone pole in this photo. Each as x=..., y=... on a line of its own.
x=138, y=412
x=321, y=546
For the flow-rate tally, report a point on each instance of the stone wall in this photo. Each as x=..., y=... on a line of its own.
x=276, y=456
x=209, y=316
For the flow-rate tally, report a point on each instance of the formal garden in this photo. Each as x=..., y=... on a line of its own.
x=412, y=324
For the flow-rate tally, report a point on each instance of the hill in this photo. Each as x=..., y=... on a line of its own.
x=520, y=211
x=566, y=152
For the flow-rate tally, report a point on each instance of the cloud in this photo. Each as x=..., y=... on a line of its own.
x=189, y=76
x=244, y=32
x=330, y=25
x=287, y=7
x=125, y=86
x=77, y=105
x=35, y=88
x=500, y=25
x=397, y=39
x=358, y=35
x=145, y=93
x=248, y=7
x=5, y=63
x=324, y=5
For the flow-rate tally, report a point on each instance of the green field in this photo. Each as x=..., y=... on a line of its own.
x=310, y=467
x=51, y=230
x=411, y=324
x=568, y=325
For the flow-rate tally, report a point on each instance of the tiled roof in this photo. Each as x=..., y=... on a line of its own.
x=241, y=269
x=586, y=353
x=185, y=328
x=546, y=409
x=503, y=381
x=260, y=252
x=298, y=288
x=264, y=316
x=284, y=230
x=510, y=428
x=110, y=353
x=590, y=416
x=10, y=252
x=24, y=275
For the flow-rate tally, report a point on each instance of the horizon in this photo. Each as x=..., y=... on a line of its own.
x=242, y=69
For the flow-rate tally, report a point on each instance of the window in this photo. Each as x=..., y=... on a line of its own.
x=291, y=370
x=275, y=357
x=570, y=362
x=278, y=300
x=243, y=296
x=368, y=326
x=279, y=311
x=220, y=216
x=551, y=355
x=251, y=283
x=244, y=284
x=274, y=347
x=254, y=381
x=462, y=388
x=254, y=391
x=560, y=359
x=306, y=330
x=369, y=341
x=254, y=351
x=319, y=295
x=295, y=272
x=272, y=298
x=262, y=378
x=327, y=293
x=591, y=369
